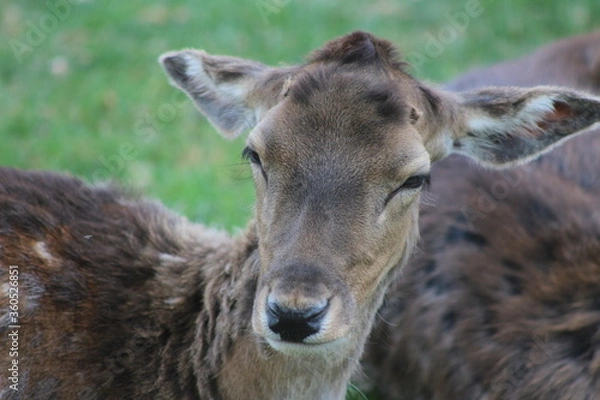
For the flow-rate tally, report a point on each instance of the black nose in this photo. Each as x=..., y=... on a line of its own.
x=295, y=325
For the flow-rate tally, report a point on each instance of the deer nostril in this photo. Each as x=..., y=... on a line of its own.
x=292, y=324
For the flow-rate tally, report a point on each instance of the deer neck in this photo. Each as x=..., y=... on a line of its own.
x=255, y=371
x=258, y=373
x=230, y=361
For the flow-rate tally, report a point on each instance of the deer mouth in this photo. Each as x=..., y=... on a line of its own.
x=308, y=348
x=318, y=325
x=293, y=324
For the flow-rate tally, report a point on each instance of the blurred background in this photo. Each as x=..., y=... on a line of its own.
x=81, y=90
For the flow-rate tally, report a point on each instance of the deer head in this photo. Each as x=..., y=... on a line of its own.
x=341, y=148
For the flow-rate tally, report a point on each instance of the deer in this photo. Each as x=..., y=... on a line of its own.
x=500, y=301
x=120, y=298
x=571, y=62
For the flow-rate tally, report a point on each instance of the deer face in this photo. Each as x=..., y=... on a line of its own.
x=338, y=167
x=340, y=148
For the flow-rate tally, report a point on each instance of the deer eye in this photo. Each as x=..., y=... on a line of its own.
x=252, y=156
x=412, y=183
x=415, y=182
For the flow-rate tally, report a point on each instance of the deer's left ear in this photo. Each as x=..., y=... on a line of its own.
x=232, y=92
x=503, y=126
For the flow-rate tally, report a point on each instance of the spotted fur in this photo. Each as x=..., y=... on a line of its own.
x=501, y=299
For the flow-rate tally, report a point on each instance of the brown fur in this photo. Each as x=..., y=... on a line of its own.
x=501, y=299
x=121, y=299
x=572, y=62
x=121, y=281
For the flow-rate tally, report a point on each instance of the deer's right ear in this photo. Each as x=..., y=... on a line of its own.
x=223, y=88
x=503, y=126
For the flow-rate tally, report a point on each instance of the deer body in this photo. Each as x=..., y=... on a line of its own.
x=128, y=281
x=501, y=300
x=571, y=62
x=121, y=299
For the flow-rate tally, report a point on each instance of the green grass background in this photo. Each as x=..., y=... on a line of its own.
x=87, y=95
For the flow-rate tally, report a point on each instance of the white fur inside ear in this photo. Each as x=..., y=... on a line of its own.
x=237, y=92
x=196, y=72
x=539, y=106
x=531, y=113
x=483, y=123
x=194, y=68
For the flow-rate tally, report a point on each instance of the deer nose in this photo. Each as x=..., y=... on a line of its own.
x=293, y=324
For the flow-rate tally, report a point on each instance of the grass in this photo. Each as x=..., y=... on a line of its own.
x=81, y=90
